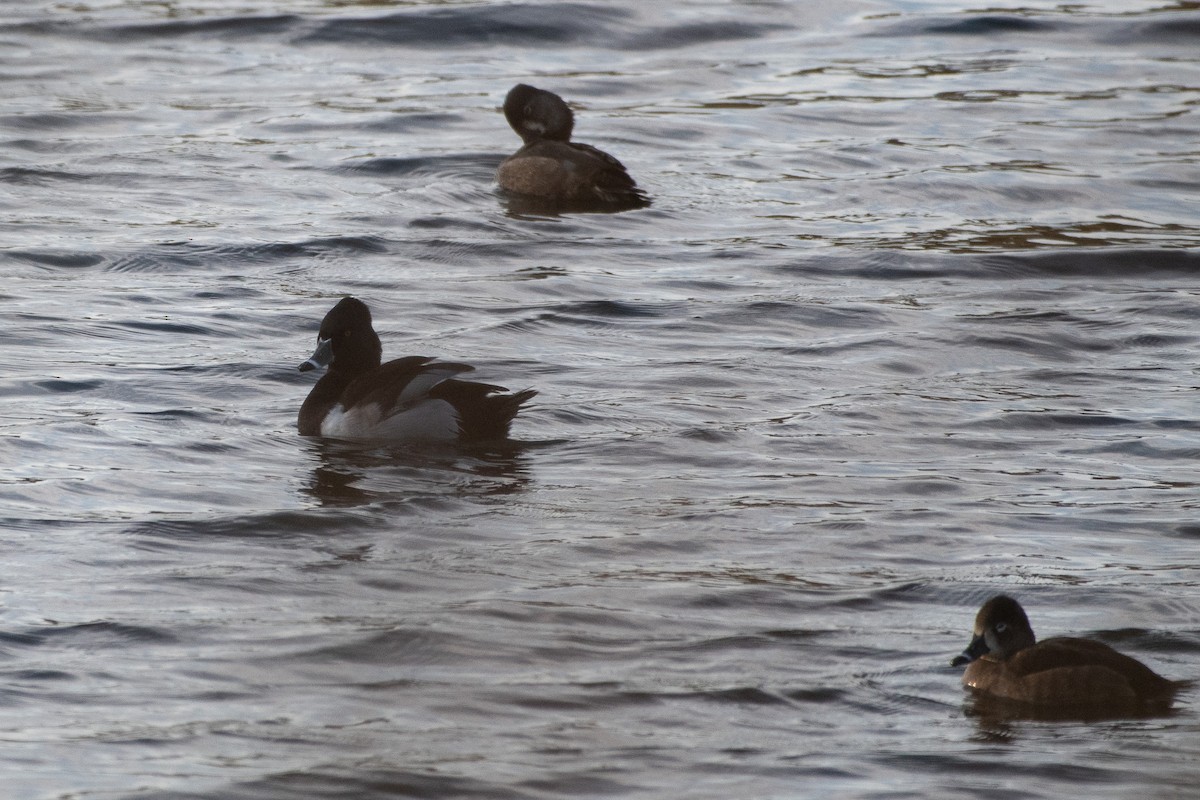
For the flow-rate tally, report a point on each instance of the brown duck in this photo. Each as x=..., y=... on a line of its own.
x=1006, y=661
x=551, y=167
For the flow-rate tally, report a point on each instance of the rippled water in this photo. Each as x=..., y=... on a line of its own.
x=911, y=321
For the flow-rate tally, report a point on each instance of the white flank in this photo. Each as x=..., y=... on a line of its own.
x=429, y=420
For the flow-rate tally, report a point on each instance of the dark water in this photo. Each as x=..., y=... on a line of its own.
x=911, y=321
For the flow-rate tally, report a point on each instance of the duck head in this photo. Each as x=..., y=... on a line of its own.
x=346, y=339
x=1001, y=629
x=536, y=114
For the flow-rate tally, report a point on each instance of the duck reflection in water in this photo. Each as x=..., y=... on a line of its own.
x=348, y=474
x=1016, y=676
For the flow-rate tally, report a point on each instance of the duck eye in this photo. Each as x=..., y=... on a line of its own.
x=1001, y=627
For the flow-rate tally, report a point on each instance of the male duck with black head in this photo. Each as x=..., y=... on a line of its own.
x=408, y=399
x=1061, y=676
x=552, y=168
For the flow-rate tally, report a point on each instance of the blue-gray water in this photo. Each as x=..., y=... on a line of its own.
x=912, y=321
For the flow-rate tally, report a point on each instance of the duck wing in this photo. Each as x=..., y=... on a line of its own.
x=400, y=384
x=610, y=181
x=1094, y=667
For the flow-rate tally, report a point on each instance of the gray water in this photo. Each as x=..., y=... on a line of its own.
x=910, y=322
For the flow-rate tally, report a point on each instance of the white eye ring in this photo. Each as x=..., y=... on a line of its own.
x=1000, y=627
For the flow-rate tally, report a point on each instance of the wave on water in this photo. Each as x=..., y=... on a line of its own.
x=168, y=256
x=1166, y=24
x=1078, y=262
x=510, y=25
x=220, y=27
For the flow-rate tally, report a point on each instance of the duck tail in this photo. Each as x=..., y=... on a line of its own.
x=504, y=408
x=484, y=414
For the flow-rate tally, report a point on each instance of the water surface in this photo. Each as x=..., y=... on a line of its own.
x=910, y=322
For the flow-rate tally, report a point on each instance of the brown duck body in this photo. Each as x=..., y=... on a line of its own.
x=550, y=167
x=569, y=172
x=1006, y=661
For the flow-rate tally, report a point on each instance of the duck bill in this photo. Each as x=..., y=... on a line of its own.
x=978, y=647
x=320, y=357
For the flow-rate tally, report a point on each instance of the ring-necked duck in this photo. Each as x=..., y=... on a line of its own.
x=413, y=398
x=552, y=167
x=1006, y=660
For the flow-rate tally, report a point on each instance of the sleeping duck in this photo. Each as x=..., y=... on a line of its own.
x=551, y=167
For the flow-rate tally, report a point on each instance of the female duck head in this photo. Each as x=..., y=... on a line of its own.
x=1001, y=629
x=538, y=115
